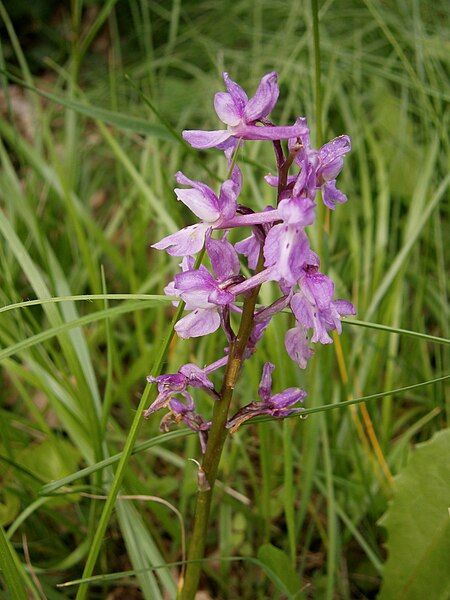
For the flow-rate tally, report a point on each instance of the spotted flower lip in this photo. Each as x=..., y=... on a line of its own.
x=241, y=115
x=278, y=406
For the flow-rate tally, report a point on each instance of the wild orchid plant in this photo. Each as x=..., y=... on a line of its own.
x=277, y=250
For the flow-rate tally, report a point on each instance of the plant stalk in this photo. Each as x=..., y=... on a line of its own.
x=216, y=441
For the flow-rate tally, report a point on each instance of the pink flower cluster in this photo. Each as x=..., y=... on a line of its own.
x=277, y=250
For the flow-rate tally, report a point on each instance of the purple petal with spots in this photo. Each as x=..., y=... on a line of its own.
x=318, y=289
x=286, y=248
x=196, y=376
x=240, y=98
x=330, y=157
x=194, y=287
x=311, y=317
x=297, y=211
x=296, y=343
x=331, y=195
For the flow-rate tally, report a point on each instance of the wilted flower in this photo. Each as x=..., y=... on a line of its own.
x=277, y=406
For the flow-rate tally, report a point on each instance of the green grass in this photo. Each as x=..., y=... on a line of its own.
x=86, y=178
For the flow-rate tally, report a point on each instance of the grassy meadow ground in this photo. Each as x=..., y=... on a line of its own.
x=84, y=192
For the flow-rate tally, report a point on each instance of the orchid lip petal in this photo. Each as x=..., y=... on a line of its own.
x=198, y=323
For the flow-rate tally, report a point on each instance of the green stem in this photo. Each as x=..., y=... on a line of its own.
x=216, y=441
x=317, y=69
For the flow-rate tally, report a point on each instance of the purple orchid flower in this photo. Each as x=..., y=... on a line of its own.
x=319, y=168
x=205, y=294
x=171, y=385
x=287, y=246
x=278, y=236
x=330, y=165
x=314, y=307
x=211, y=209
x=186, y=413
x=241, y=115
x=278, y=405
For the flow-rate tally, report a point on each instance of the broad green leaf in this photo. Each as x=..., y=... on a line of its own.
x=279, y=569
x=51, y=461
x=9, y=507
x=418, y=526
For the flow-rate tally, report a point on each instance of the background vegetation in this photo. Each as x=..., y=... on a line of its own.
x=86, y=178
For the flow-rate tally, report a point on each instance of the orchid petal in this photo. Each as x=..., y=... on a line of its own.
x=287, y=398
x=265, y=385
x=331, y=154
x=196, y=377
x=264, y=100
x=250, y=247
x=256, y=132
x=203, y=206
x=286, y=248
x=223, y=257
x=227, y=199
x=185, y=242
x=197, y=323
x=296, y=344
x=298, y=211
x=318, y=289
x=331, y=195
x=205, y=139
x=344, y=307
x=240, y=98
x=225, y=108
x=194, y=287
